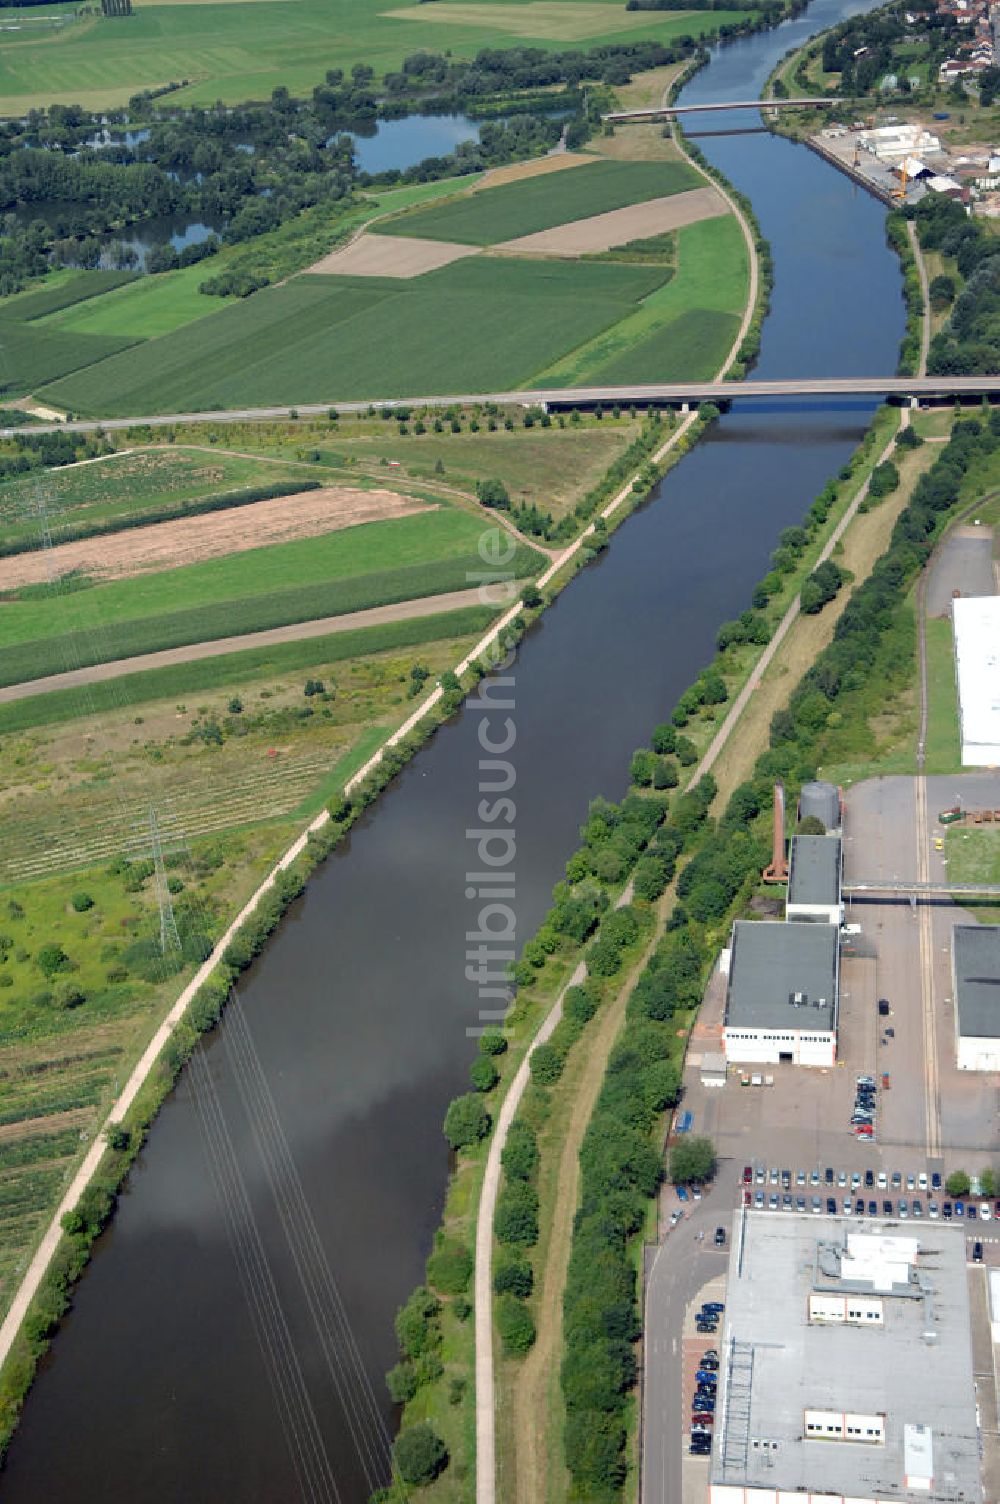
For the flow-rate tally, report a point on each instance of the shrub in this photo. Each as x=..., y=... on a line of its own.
x=513, y=1275
x=520, y=1153
x=483, y=1073
x=466, y=1121
x=52, y=959
x=515, y=1324
x=692, y=1161
x=417, y=1328
x=449, y=1267
x=401, y=1383
x=517, y=1214
x=546, y=1064
x=492, y=1042
x=82, y=902
x=420, y=1455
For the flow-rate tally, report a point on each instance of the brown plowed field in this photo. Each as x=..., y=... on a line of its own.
x=516, y=172
x=390, y=256
x=601, y=232
x=166, y=545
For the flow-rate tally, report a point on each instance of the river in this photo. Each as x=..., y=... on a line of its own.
x=158, y=1387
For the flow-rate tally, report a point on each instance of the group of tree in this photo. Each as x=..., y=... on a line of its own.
x=820, y=587
x=969, y=343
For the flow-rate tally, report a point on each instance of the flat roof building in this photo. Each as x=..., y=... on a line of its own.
x=847, y=1368
x=975, y=959
x=977, y=658
x=781, y=995
x=814, y=879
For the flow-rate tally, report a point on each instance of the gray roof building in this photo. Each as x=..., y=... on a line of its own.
x=846, y=1363
x=976, y=957
x=783, y=976
x=814, y=870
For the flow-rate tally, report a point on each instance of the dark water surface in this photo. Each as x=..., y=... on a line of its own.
x=161, y=1387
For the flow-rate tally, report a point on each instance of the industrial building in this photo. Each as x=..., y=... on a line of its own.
x=847, y=1373
x=977, y=658
x=975, y=959
x=781, y=993
x=815, y=872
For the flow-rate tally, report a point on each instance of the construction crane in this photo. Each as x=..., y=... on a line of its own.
x=900, y=192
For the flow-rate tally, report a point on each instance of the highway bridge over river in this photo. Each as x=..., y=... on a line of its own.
x=658, y=394
x=670, y=111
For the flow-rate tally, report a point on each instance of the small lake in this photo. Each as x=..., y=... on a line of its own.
x=400, y=144
x=144, y=237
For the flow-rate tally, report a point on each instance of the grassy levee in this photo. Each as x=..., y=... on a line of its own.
x=206, y=674
x=516, y=209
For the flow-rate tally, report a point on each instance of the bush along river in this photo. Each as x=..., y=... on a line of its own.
x=230, y=1336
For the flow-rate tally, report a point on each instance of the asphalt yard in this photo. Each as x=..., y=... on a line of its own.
x=801, y=1122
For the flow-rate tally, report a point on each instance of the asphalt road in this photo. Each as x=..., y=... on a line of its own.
x=580, y=396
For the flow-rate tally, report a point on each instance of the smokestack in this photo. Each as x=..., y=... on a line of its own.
x=777, y=872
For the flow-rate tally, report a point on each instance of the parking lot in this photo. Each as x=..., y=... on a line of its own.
x=796, y=1135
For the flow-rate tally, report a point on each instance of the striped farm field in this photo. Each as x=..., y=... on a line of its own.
x=49, y=630
x=540, y=203
x=320, y=339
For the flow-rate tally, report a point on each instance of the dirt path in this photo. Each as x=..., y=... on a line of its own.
x=925, y=322
x=425, y=605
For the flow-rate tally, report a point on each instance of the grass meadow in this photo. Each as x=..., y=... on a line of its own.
x=479, y=325
x=101, y=494
x=236, y=52
x=541, y=203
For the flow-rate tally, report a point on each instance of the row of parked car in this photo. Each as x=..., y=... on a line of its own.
x=706, y=1383
x=886, y=1206
x=863, y=1116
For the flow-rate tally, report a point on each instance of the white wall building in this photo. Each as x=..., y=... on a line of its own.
x=977, y=656
x=781, y=997
x=975, y=959
x=846, y=1365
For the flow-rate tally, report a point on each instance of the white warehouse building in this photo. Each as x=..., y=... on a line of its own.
x=781, y=996
x=975, y=959
x=846, y=1366
x=977, y=659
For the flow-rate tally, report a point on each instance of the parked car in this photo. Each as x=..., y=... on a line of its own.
x=911, y=1182
x=847, y=1206
x=935, y=1181
x=772, y=1201
x=904, y=1210
x=918, y=1207
x=922, y=1180
x=706, y=1376
x=720, y=1237
x=716, y=1306
x=828, y=1175
x=946, y=1210
x=883, y=1180
x=971, y=1212
x=817, y=1206
x=707, y=1361
x=855, y=1180
x=869, y=1179
x=859, y=1206
x=758, y=1201
x=933, y=1209
x=977, y=1253
x=682, y=1194
x=985, y=1213
x=702, y=1418
x=887, y=1208
x=747, y=1174
x=897, y=1180
x=873, y=1208
x=831, y=1207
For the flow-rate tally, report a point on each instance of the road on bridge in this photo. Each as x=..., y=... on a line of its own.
x=669, y=393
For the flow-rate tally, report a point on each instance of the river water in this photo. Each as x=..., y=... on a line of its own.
x=162, y=1386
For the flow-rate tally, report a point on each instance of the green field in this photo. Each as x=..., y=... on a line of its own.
x=240, y=51
x=681, y=331
x=943, y=748
x=475, y=326
x=540, y=203
x=31, y=355
x=205, y=675
x=95, y=495
x=63, y=289
x=373, y=564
